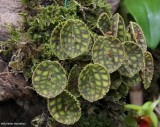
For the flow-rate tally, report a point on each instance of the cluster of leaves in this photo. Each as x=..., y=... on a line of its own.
x=150, y=20
x=83, y=53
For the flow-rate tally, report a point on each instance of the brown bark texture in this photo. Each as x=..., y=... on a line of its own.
x=12, y=85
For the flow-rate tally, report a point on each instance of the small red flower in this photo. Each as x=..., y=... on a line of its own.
x=144, y=121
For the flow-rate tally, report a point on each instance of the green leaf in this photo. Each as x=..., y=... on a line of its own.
x=109, y=52
x=49, y=79
x=94, y=82
x=152, y=114
x=147, y=70
x=75, y=38
x=131, y=81
x=121, y=29
x=55, y=43
x=154, y=119
x=65, y=108
x=73, y=80
x=147, y=107
x=118, y=27
x=138, y=36
x=133, y=59
x=154, y=104
x=114, y=24
x=130, y=121
x=103, y=23
x=147, y=15
x=116, y=80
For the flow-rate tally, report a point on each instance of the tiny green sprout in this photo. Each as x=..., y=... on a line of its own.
x=146, y=111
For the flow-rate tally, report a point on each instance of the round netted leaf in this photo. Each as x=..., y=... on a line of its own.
x=73, y=80
x=114, y=24
x=133, y=59
x=94, y=82
x=109, y=52
x=55, y=43
x=138, y=36
x=49, y=79
x=147, y=70
x=103, y=23
x=116, y=80
x=118, y=27
x=75, y=38
x=131, y=81
x=64, y=108
x=121, y=29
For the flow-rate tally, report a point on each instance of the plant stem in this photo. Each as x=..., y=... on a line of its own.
x=134, y=107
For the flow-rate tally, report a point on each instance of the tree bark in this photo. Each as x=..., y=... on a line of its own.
x=12, y=85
